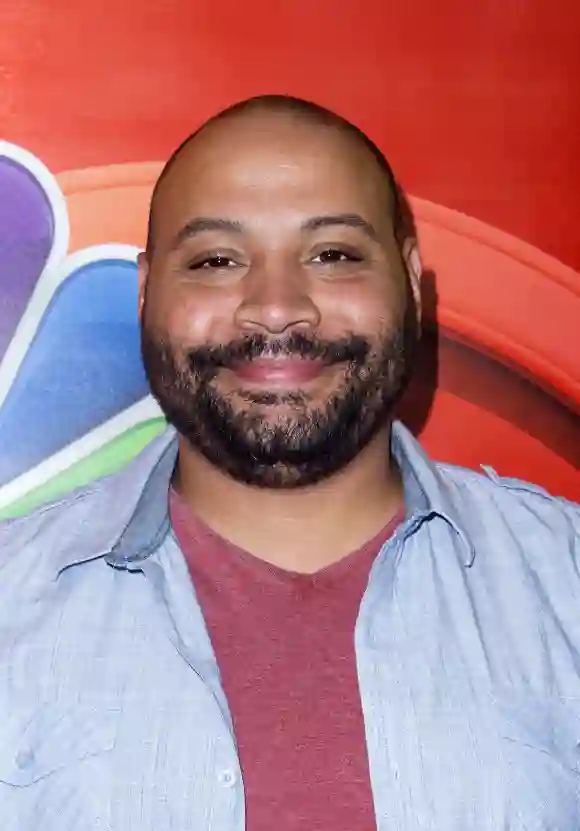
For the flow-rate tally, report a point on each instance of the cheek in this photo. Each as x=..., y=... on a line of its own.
x=190, y=314
x=362, y=308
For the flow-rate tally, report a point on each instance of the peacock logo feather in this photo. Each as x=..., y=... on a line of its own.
x=74, y=401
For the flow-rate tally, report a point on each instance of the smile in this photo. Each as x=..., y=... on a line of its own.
x=282, y=372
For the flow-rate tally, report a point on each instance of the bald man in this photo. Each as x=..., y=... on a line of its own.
x=283, y=616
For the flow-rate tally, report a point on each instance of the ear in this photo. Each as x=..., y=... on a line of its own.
x=142, y=275
x=414, y=265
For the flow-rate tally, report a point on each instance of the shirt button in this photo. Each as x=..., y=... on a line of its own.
x=227, y=778
x=24, y=758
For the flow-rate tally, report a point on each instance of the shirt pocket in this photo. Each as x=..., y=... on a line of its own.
x=540, y=760
x=550, y=726
x=37, y=742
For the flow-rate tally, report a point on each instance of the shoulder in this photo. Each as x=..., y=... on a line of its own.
x=34, y=547
x=510, y=491
x=509, y=507
x=51, y=514
x=474, y=498
x=84, y=525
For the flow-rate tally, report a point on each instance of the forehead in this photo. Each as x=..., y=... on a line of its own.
x=272, y=165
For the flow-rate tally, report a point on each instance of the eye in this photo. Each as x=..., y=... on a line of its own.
x=330, y=256
x=216, y=261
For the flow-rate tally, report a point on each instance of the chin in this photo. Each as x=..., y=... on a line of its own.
x=272, y=412
x=272, y=400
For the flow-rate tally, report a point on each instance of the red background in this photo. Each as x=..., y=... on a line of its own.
x=475, y=103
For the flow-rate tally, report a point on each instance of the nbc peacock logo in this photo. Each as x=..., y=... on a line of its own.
x=74, y=401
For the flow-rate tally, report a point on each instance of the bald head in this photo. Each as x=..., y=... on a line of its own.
x=304, y=112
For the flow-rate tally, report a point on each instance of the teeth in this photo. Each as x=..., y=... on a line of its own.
x=71, y=378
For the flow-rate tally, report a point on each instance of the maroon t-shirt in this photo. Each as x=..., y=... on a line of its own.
x=284, y=643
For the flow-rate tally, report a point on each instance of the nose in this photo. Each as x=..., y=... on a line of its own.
x=276, y=299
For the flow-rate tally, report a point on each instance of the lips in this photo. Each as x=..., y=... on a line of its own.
x=279, y=371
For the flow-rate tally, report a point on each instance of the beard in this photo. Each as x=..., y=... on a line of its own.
x=309, y=442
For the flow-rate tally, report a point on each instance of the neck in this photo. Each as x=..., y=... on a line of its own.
x=301, y=529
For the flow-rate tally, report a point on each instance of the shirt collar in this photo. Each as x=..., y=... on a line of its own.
x=124, y=518
x=427, y=491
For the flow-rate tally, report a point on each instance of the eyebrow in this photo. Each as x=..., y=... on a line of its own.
x=348, y=220
x=204, y=223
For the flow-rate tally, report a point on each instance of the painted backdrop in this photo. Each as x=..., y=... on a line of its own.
x=476, y=106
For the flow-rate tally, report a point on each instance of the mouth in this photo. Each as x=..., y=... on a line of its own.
x=279, y=372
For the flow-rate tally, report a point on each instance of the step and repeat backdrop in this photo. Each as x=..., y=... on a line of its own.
x=475, y=104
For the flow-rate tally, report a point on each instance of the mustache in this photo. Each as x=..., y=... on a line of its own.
x=206, y=360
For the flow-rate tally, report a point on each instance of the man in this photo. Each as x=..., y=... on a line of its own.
x=282, y=615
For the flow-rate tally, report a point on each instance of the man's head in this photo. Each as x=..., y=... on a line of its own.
x=279, y=292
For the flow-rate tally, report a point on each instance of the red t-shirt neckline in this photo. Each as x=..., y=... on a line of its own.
x=197, y=529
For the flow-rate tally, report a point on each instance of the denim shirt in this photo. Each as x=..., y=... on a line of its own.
x=467, y=649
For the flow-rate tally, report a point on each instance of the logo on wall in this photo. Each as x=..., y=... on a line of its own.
x=74, y=401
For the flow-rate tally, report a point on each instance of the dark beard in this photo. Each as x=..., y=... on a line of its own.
x=300, y=449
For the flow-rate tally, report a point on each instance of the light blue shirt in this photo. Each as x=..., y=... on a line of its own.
x=112, y=715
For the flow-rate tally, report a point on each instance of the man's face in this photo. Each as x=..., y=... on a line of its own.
x=277, y=317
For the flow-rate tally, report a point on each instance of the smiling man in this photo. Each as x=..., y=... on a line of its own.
x=283, y=615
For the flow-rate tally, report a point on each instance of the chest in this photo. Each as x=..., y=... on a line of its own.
x=118, y=717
